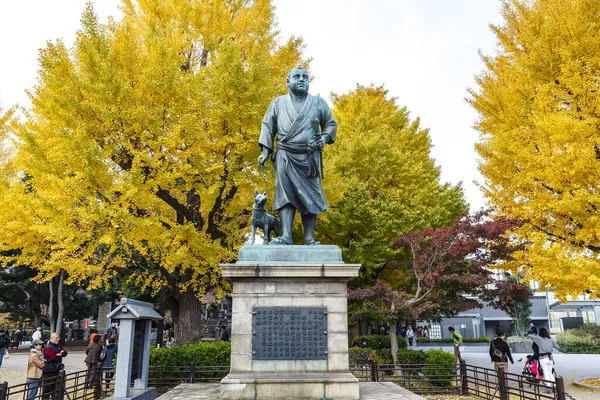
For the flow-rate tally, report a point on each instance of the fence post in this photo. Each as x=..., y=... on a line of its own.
x=560, y=388
x=98, y=383
x=502, y=384
x=62, y=384
x=3, y=390
x=464, y=379
x=192, y=373
x=374, y=371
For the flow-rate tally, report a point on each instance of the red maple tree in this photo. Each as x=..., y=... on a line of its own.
x=447, y=270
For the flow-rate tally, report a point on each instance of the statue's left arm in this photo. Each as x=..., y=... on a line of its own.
x=327, y=121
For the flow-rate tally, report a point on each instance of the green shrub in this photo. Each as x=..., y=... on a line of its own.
x=201, y=353
x=406, y=356
x=359, y=356
x=482, y=339
x=384, y=356
x=378, y=342
x=591, y=329
x=579, y=341
x=428, y=340
x=524, y=340
x=439, y=358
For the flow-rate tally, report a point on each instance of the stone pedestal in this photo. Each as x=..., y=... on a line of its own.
x=289, y=276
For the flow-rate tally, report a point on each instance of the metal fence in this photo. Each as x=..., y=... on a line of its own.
x=80, y=385
x=461, y=378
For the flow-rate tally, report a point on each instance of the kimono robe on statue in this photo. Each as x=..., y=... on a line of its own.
x=297, y=172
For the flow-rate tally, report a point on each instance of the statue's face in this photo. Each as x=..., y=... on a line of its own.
x=297, y=81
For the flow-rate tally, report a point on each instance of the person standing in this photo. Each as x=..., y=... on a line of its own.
x=108, y=365
x=458, y=341
x=532, y=329
x=92, y=377
x=500, y=352
x=4, y=342
x=35, y=368
x=410, y=334
x=546, y=346
x=53, y=355
x=37, y=335
x=92, y=336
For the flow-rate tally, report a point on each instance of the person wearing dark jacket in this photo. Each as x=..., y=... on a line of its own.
x=500, y=352
x=4, y=342
x=93, y=376
x=108, y=365
x=53, y=355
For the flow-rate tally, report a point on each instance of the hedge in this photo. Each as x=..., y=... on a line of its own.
x=378, y=342
x=483, y=339
x=582, y=340
x=201, y=353
x=359, y=356
x=442, y=371
x=439, y=374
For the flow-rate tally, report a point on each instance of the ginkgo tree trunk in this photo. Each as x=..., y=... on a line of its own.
x=138, y=155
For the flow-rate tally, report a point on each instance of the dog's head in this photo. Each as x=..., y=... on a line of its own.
x=260, y=198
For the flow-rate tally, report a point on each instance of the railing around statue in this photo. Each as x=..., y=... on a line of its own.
x=165, y=378
x=485, y=383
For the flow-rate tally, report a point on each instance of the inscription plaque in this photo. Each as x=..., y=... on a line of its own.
x=289, y=333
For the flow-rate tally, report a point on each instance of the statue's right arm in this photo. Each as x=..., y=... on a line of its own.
x=264, y=155
x=268, y=132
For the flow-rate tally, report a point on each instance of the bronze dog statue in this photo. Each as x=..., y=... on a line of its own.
x=263, y=220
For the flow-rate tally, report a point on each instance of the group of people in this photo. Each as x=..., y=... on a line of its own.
x=542, y=347
x=44, y=365
x=46, y=362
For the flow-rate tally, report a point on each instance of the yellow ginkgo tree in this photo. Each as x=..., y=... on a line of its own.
x=539, y=105
x=137, y=157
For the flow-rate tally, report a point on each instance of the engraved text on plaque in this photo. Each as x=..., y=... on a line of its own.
x=289, y=333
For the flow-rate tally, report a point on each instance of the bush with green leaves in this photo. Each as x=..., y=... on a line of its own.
x=378, y=342
x=406, y=356
x=482, y=339
x=522, y=340
x=440, y=368
x=359, y=356
x=581, y=340
x=201, y=354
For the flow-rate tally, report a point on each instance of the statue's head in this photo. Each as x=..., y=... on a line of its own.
x=297, y=81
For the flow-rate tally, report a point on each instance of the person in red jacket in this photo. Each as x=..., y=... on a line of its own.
x=53, y=355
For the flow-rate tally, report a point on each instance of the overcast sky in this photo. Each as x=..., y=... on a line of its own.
x=423, y=51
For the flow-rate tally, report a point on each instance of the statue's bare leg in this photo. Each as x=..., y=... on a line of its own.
x=286, y=215
x=309, y=221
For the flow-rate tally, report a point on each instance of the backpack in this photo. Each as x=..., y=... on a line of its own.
x=498, y=353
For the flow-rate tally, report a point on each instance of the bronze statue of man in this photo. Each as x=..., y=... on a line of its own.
x=301, y=124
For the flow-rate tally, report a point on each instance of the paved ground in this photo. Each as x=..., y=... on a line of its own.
x=385, y=391
x=368, y=391
x=14, y=369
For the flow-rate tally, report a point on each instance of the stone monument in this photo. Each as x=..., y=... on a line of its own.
x=289, y=327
